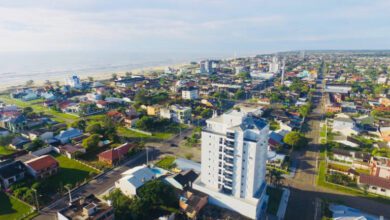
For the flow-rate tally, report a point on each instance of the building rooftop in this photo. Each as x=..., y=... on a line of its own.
x=88, y=207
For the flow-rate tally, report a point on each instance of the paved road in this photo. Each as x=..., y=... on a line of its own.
x=106, y=181
x=305, y=194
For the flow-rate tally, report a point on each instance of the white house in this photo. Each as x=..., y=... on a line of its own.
x=74, y=82
x=233, y=168
x=345, y=125
x=190, y=93
x=134, y=178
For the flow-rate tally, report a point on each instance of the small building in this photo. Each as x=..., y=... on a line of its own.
x=190, y=93
x=134, y=178
x=19, y=142
x=177, y=113
x=376, y=184
x=12, y=173
x=88, y=208
x=66, y=135
x=42, y=167
x=191, y=204
x=115, y=155
x=153, y=110
x=72, y=150
x=182, y=180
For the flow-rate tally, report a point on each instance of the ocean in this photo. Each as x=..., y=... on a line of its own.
x=16, y=68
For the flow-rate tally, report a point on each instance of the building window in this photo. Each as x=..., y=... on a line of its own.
x=374, y=188
x=383, y=190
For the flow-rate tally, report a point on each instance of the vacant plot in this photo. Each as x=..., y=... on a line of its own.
x=11, y=208
x=71, y=172
x=124, y=132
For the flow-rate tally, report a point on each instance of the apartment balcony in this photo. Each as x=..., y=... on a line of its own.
x=230, y=135
x=229, y=152
x=228, y=184
x=228, y=176
x=229, y=160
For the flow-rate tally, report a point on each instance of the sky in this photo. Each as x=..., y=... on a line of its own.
x=193, y=26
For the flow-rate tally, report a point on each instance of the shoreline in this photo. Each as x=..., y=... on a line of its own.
x=97, y=76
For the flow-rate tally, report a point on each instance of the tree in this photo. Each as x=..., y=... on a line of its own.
x=158, y=193
x=206, y=113
x=240, y=94
x=94, y=129
x=295, y=139
x=37, y=143
x=80, y=124
x=92, y=142
x=304, y=110
x=276, y=177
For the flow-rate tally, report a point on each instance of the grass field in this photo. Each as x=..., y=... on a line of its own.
x=11, y=208
x=124, y=132
x=167, y=162
x=275, y=196
x=6, y=150
x=70, y=172
x=37, y=107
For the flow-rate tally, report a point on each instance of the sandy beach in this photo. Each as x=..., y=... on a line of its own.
x=96, y=76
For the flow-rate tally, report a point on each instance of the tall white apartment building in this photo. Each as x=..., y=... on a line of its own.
x=234, y=154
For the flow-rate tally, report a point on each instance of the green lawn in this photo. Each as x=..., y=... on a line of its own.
x=6, y=150
x=167, y=162
x=70, y=172
x=124, y=132
x=11, y=208
x=275, y=195
x=38, y=107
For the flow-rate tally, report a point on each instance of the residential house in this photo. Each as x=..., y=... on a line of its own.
x=345, y=125
x=177, y=113
x=114, y=155
x=71, y=150
x=88, y=208
x=182, y=180
x=190, y=93
x=19, y=142
x=134, y=178
x=66, y=135
x=380, y=166
x=153, y=110
x=375, y=184
x=192, y=203
x=11, y=173
x=15, y=123
x=42, y=167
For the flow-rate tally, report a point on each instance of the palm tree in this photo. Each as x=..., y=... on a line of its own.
x=275, y=177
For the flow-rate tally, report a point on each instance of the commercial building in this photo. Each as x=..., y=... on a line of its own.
x=233, y=168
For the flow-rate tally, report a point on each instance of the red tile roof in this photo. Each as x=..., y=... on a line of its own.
x=374, y=181
x=116, y=153
x=42, y=162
